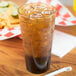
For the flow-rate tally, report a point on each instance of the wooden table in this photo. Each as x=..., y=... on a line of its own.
x=12, y=61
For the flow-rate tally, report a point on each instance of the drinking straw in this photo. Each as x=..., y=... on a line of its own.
x=67, y=69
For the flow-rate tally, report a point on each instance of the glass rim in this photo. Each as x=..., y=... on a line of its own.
x=39, y=17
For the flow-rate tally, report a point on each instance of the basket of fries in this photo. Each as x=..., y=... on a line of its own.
x=9, y=20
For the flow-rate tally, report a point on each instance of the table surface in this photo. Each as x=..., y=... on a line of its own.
x=12, y=61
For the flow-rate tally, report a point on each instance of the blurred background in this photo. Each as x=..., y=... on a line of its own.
x=72, y=29
x=67, y=2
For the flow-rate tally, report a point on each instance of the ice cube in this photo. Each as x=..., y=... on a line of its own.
x=45, y=9
x=27, y=7
x=47, y=12
x=36, y=15
x=28, y=12
x=39, y=7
